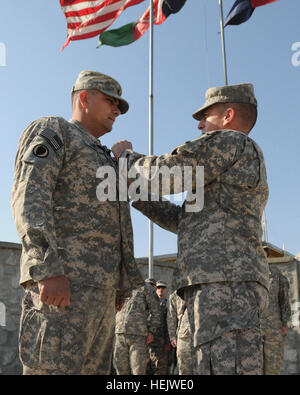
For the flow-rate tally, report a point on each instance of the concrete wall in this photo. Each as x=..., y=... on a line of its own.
x=10, y=308
x=11, y=295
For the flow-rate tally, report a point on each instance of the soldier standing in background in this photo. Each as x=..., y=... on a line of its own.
x=151, y=281
x=136, y=327
x=77, y=258
x=274, y=320
x=180, y=333
x=160, y=348
x=222, y=272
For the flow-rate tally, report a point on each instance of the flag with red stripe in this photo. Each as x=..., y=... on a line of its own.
x=88, y=18
x=242, y=10
x=133, y=31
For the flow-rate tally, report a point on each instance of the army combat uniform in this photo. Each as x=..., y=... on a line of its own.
x=179, y=330
x=273, y=319
x=158, y=355
x=139, y=316
x=222, y=271
x=66, y=230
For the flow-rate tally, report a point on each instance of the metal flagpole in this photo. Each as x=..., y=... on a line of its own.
x=223, y=42
x=150, y=246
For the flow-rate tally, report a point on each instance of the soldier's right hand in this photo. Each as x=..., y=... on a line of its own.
x=55, y=291
x=119, y=147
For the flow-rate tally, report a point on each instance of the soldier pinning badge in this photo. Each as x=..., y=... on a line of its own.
x=41, y=151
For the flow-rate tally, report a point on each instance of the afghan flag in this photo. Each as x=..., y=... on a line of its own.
x=242, y=10
x=131, y=32
x=87, y=19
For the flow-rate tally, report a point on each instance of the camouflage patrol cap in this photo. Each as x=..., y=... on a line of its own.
x=150, y=281
x=103, y=83
x=161, y=283
x=240, y=93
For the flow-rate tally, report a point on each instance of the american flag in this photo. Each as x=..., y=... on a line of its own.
x=88, y=18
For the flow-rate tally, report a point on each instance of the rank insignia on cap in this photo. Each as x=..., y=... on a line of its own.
x=41, y=151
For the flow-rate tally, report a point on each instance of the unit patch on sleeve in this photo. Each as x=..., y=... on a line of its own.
x=41, y=151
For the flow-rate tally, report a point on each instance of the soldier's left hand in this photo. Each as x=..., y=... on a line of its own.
x=120, y=147
x=55, y=291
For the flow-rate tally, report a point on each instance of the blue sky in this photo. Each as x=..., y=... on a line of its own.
x=36, y=80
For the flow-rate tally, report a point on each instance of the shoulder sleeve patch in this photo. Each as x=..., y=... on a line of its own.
x=41, y=151
x=52, y=138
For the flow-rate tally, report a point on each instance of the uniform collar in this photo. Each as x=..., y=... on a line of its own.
x=86, y=133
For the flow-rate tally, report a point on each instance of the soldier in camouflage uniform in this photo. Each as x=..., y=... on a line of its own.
x=222, y=271
x=274, y=321
x=136, y=327
x=160, y=347
x=77, y=258
x=180, y=333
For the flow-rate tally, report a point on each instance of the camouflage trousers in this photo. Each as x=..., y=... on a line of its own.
x=68, y=341
x=159, y=359
x=130, y=354
x=224, y=321
x=185, y=356
x=236, y=353
x=273, y=346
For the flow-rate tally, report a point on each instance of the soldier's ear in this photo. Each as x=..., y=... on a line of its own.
x=83, y=99
x=229, y=116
